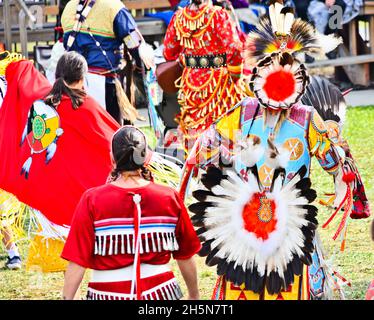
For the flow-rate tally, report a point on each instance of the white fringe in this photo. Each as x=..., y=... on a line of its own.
x=116, y=244
x=146, y=243
x=123, y=244
x=108, y=244
x=46, y=228
x=169, y=290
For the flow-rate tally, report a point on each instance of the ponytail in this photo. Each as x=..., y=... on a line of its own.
x=76, y=96
x=122, y=163
x=71, y=68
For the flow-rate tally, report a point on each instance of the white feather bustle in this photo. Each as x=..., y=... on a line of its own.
x=224, y=223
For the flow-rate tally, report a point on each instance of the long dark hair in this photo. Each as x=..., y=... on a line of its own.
x=196, y=2
x=70, y=69
x=129, y=150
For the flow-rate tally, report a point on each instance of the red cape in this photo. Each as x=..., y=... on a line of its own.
x=82, y=159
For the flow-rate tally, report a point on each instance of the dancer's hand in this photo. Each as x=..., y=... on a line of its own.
x=147, y=55
x=330, y=3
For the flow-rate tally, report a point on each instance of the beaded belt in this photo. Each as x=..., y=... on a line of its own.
x=206, y=61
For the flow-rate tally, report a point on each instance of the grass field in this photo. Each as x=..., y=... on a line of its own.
x=356, y=263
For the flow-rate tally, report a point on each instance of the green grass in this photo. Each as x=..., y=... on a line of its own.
x=356, y=263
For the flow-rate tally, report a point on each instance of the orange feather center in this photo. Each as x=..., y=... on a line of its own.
x=259, y=216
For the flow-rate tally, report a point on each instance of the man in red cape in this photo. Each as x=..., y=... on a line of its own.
x=82, y=159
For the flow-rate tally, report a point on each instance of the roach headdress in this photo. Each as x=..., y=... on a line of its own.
x=279, y=79
x=282, y=32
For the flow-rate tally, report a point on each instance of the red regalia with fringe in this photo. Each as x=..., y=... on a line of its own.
x=127, y=237
x=50, y=157
x=207, y=43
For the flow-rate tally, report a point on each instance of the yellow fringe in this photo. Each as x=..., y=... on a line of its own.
x=15, y=218
x=9, y=58
x=12, y=213
x=44, y=255
x=164, y=172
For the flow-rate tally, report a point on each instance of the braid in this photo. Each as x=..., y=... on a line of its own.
x=146, y=174
x=115, y=174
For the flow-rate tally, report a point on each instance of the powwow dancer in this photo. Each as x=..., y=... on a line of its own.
x=256, y=215
x=204, y=40
x=52, y=139
x=97, y=29
x=127, y=231
x=49, y=149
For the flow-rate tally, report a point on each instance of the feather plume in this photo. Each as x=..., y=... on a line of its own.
x=289, y=19
x=300, y=36
x=51, y=150
x=248, y=151
x=303, y=36
x=326, y=98
x=26, y=167
x=260, y=40
x=280, y=20
x=273, y=18
x=277, y=157
x=329, y=42
x=24, y=134
x=278, y=6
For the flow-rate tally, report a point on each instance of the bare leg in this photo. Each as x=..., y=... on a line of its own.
x=14, y=261
x=7, y=238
